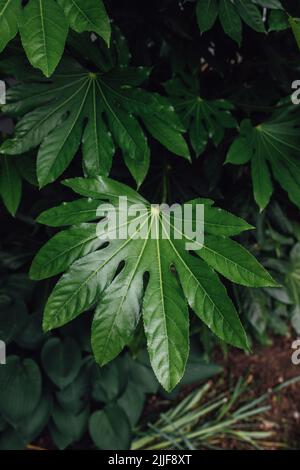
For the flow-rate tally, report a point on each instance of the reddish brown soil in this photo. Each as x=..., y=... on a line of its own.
x=264, y=369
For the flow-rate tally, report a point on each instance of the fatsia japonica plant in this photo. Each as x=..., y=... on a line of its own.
x=272, y=144
x=176, y=279
x=147, y=102
x=44, y=24
x=100, y=111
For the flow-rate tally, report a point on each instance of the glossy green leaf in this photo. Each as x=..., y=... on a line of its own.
x=64, y=248
x=70, y=213
x=230, y=20
x=261, y=178
x=167, y=136
x=43, y=30
x=87, y=15
x=96, y=280
x=273, y=145
x=232, y=13
x=96, y=110
x=9, y=12
x=10, y=184
x=44, y=25
x=234, y=262
x=251, y=15
x=207, y=12
x=278, y=21
x=240, y=151
x=204, y=119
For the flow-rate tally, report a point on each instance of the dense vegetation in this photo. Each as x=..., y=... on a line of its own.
x=164, y=101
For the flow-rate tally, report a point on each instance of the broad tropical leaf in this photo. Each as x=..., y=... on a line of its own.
x=207, y=13
x=44, y=25
x=109, y=275
x=101, y=111
x=87, y=15
x=43, y=30
x=204, y=119
x=273, y=145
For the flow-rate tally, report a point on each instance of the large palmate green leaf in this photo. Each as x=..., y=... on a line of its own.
x=153, y=276
x=231, y=13
x=44, y=25
x=204, y=119
x=273, y=145
x=101, y=111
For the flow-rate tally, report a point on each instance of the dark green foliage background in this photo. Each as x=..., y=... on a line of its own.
x=241, y=70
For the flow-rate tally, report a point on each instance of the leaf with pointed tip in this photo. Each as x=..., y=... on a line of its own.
x=64, y=248
x=207, y=12
x=10, y=184
x=149, y=273
x=43, y=30
x=273, y=145
x=167, y=136
x=251, y=15
x=87, y=15
x=222, y=223
x=96, y=110
x=234, y=262
x=295, y=25
x=44, y=24
x=232, y=13
x=204, y=119
x=230, y=20
x=9, y=13
x=70, y=213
